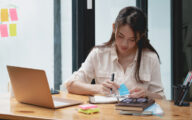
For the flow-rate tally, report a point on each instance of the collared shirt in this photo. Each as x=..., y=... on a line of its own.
x=103, y=61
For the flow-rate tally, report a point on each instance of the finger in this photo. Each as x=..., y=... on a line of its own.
x=109, y=82
x=107, y=85
x=136, y=89
x=137, y=94
x=134, y=95
x=106, y=90
x=116, y=86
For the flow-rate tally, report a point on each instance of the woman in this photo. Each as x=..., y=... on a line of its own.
x=128, y=54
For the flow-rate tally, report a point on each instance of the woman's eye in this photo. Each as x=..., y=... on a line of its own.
x=120, y=36
x=132, y=40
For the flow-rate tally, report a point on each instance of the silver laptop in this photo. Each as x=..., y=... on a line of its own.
x=30, y=86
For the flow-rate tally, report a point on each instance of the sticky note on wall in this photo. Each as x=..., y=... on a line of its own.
x=13, y=29
x=4, y=15
x=13, y=14
x=3, y=30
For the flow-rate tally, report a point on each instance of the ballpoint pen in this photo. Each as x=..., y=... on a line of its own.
x=112, y=79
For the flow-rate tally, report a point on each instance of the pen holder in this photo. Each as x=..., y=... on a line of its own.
x=179, y=93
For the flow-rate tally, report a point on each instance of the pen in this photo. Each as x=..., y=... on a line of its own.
x=185, y=82
x=112, y=78
x=183, y=94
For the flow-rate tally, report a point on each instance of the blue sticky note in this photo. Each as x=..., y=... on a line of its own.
x=123, y=90
x=155, y=109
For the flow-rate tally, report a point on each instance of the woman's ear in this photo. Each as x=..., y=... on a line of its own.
x=142, y=35
x=113, y=25
x=138, y=36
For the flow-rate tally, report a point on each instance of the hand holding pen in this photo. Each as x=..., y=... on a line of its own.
x=108, y=86
x=112, y=79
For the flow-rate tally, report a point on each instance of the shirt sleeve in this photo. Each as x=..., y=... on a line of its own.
x=155, y=85
x=86, y=72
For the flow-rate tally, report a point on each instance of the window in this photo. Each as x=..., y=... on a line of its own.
x=66, y=35
x=159, y=36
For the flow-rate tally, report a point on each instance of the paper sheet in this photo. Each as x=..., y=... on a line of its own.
x=123, y=90
x=12, y=29
x=104, y=99
x=13, y=14
x=3, y=30
x=4, y=15
x=155, y=109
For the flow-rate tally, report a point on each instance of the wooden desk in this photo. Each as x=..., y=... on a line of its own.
x=11, y=109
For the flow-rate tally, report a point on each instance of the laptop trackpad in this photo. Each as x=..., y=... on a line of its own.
x=58, y=103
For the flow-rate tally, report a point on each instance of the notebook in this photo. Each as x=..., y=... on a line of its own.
x=123, y=92
x=134, y=104
x=30, y=86
x=154, y=109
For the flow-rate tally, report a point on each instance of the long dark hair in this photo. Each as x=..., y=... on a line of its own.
x=137, y=20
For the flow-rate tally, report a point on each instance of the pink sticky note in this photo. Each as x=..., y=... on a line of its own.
x=87, y=106
x=3, y=30
x=13, y=14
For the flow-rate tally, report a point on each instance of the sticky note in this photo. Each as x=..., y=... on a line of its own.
x=89, y=111
x=87, y=106
x=13, y=14
x=123, y=90
x=12, y=29
x=4, y=15
x=3, y=30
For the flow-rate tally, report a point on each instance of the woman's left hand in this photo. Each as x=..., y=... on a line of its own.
x=138, y=92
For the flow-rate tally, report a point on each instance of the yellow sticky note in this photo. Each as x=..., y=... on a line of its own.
x=4, y=15
x=89, y=111
x=12, y=29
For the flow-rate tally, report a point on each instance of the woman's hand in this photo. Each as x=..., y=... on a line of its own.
x=105, y=87
x=138, y=92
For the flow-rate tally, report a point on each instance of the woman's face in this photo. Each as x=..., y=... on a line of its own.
x=125, y=40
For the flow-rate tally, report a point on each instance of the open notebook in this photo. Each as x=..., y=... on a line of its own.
x=123, y=92
x=103, y=99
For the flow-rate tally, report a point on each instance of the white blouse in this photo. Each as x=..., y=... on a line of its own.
x=103, y=61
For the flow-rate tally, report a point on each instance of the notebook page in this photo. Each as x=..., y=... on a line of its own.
x=104, y=99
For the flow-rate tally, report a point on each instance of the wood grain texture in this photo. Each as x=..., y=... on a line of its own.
x=11, y=109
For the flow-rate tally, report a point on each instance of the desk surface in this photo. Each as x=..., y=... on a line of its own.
x=11, y=109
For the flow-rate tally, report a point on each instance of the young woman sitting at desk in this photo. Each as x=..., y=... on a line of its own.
x=128, y=54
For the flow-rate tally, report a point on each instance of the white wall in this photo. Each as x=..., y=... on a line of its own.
x=66, y=36
x=159, y=34
x=105, y=13
x=33, y=45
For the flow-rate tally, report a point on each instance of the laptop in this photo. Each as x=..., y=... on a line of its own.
x=30, y=86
